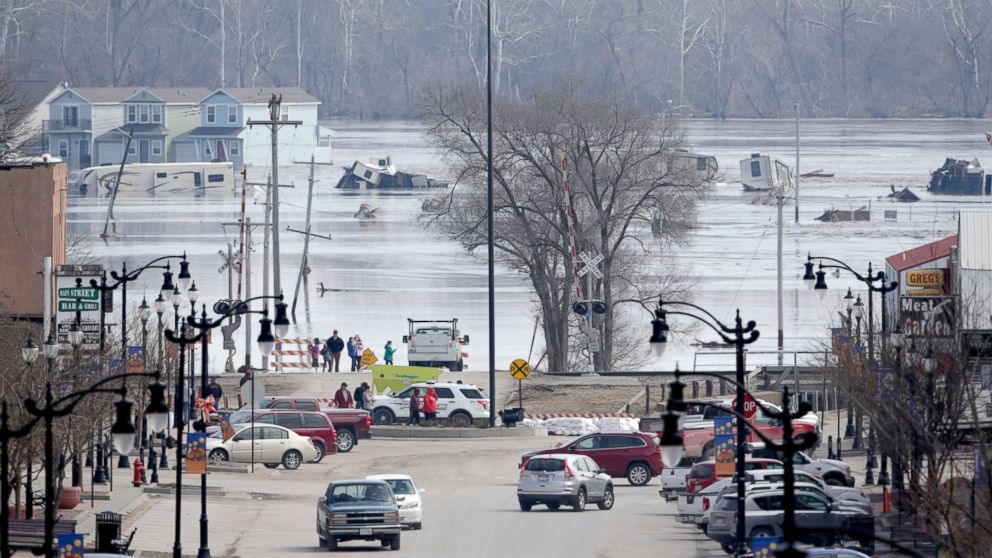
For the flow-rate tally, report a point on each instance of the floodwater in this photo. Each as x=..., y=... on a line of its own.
x=379, y=272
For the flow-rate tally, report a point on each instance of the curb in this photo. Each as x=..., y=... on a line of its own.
x=456, y=433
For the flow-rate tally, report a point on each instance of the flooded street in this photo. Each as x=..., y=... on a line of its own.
x=379, y=272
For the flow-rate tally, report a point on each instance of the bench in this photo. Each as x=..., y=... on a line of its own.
x=123, y=544
x=30, y=533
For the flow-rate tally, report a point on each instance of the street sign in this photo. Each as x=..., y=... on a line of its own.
x=91, y=336
x=750, y=406
x=368, y=358
x=80, y=306
x=519, y=369
x=927, y=316
x=82, y=293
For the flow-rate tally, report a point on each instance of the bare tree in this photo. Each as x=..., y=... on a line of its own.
x=212, y=14
x=16, y=132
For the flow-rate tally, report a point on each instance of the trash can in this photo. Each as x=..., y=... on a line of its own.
x=108, y=529
x=511, y=416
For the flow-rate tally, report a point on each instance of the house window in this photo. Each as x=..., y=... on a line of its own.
x=206, y=149
x=211, y=113
x=232, y=114
x=132, y=149
x=324, y=141
x=132, y=113
x=157, y=114
x=215, y=178
x=156, y=147
x=143, y=114
x=285, y=113
x=64, y=148
x=70, y=116
x=161, y=175
x=235, y=148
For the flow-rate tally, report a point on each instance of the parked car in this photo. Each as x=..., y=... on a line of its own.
x=824, y=523
x=407, y=498
x=358, y=510
x=313, y=424
x=458, y=404
x=555, y=479
x=809, y=488
x=634, y=455
x=836, y=492
x=833, y=471
x=351, y=424
x=673, y=479
x=697, y=437
x=703, y=473
x=695, y=508
x=273, y=446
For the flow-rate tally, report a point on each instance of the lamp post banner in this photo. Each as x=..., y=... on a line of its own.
x=196, y=453
x=70, y=545
x=136, y=359
x=725, y=446
x=765, y=547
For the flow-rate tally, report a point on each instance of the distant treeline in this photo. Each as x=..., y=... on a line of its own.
x=874, y=58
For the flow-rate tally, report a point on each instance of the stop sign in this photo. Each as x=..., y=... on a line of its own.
x=750, y=407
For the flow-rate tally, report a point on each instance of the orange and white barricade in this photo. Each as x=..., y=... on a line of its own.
x=292, y=354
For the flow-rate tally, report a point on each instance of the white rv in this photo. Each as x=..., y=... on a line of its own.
x=765, y=173
x=158, y=179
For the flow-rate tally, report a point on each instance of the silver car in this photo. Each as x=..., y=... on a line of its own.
x=559, y=478
x=836, y=492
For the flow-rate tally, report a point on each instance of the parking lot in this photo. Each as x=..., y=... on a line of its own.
x=470, y=508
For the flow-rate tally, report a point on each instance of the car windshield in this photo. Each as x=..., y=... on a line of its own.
x=701, y=472
x=239, y=417
x=546, y=465
x=366, y=493
x=400, y=486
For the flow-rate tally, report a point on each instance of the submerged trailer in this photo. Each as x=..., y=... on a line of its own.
x=958, y=177
x=157, y=178
x=379, y=173
x=761, y=173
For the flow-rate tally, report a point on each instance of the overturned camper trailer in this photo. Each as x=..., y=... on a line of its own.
x=703, y=167
x=157, y=178
x=958, y=177
x=760, y=173
x=380, y=173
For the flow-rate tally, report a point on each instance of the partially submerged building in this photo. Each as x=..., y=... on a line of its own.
x=959, y=177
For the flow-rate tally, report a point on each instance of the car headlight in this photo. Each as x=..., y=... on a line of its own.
x=339, y=517
x=392, y=517
x=410, y=505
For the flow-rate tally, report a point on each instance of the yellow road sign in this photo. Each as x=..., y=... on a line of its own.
x=519, y=369
x=368, y=358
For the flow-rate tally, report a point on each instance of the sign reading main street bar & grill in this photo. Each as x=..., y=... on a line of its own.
x=927, y=316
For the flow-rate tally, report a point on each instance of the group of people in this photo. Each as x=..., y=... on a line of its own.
x=361, y=400
x=428, y=405
x=331, y=351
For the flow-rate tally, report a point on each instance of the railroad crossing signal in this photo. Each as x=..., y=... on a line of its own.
x=519, y=369
x=589, y=265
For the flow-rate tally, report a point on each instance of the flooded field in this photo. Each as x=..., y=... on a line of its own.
x=379, y=272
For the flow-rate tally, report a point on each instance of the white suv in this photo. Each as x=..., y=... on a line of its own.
x=458, y=404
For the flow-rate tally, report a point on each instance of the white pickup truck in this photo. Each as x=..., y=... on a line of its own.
x=673, y=479
x=695, y=508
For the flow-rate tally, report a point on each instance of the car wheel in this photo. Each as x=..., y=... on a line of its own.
x=553, y=506
x=607, y=502
x=383, y=416
x=270, y=465
x=292, y=459
x=332, y=543
x=461, y=419
x=320, y=452
x=580, y=500
x=346, y=440
x=525, y=506
x=416, y=526
x=638, y=474
x=833, y=481
x=394, y=543
x=762, y=532
x=218, y=455
x=728, y=548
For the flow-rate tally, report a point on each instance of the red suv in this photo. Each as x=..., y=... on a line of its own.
x=634, y=455
x=316, y=425
x=703, y=473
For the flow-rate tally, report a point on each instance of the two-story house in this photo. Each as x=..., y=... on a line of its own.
x=224, y=134
x=151, y=117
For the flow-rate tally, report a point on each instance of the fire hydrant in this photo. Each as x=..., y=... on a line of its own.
x=139, y=471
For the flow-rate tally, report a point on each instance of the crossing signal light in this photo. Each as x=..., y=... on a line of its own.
x=598, y=307
x=581, y=308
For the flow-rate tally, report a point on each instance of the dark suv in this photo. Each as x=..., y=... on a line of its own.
x=634, y=455
x=316, y=425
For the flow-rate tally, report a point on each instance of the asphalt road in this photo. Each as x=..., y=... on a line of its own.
x=470, y=509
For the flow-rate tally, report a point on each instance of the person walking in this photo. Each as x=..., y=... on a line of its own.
x=360, y=396
x=388, y=353
x=351, y=354
x=414, y=407
x=342, y=398
x=430, y=406
x=335, y=345
x=359, y=349
x=314, y=349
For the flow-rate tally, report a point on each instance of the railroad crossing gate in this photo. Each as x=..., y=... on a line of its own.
x=519, y=369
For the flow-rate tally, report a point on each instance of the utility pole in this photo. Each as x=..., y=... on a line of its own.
x=797, y=167
x=306, y=237
x=781, y=330
x=117, y=187
x=274, y=123
x=248, y=249
x=265, y=253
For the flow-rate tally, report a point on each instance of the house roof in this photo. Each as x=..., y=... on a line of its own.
x=136, y=129
x=213, y=131
x=975, y=230
x=261, y=95
x=922, y=254
x=176, y=95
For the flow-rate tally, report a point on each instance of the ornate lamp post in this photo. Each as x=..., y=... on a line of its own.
x=739, y=335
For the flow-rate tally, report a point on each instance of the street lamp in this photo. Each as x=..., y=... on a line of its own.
x=740, y=335
x=163, y=463
x=75, y=334
x=193, y=293
x=29, y=353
